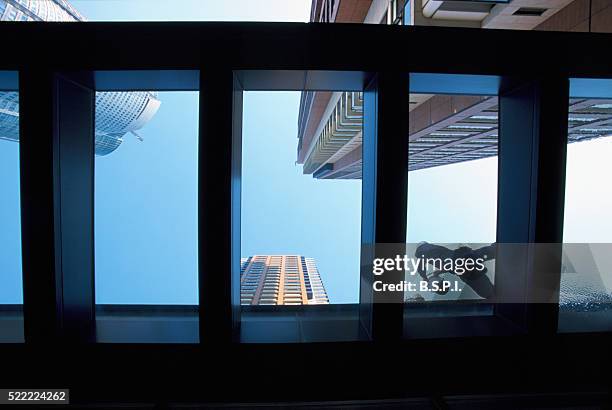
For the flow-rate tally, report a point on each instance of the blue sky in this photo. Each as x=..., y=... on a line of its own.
x=10, y=224
x=146, y=192
x=194, y=10
x=455, y=203
x=146, y=210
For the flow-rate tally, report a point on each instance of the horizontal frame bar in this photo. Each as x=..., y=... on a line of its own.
x=333, y=47
x=144, y=80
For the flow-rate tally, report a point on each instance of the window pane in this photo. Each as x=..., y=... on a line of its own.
x=301, y=212
x=452, y=186
x=287, y=211
x=11, y=283
x=585, y=300
x=452, y=206
x=146, y=198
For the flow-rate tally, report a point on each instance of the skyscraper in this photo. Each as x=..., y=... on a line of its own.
x=444, y=129
x=117, y=113
x=281, y=280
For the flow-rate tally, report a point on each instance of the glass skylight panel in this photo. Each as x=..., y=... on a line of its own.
x=146, y=198
x=282, y=226
x=452, y=196
x=11, y=282
x=585, y=297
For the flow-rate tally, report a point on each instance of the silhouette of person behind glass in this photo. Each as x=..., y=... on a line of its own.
x=474, y=278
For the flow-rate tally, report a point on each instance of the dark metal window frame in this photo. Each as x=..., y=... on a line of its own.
x=222, y=75
x=61, y=65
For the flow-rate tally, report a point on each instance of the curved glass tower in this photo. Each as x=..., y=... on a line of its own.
x=117, y=113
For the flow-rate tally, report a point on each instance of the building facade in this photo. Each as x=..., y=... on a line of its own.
x=281, y=280
x=117, y=113
x=444, y=129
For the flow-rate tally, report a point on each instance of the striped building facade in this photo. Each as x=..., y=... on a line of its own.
x=281, y=280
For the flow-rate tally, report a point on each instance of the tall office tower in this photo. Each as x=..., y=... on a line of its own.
x=280, y=280
x=444, y=129
x=117, y=113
